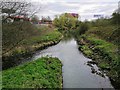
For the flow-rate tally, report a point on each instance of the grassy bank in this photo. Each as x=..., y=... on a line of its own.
x=35, y=38
x=45, y=72
x=104, y=53
x=41, y=37
x=101, y=42
x=38, y=42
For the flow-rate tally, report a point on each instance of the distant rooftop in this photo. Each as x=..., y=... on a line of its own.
x=74, y=15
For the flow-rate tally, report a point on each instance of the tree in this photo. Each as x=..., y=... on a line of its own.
x=83, y=28
x=20, y=30
x=116, y=18
x=17, y=8
x=65, y=22
x=56, y=21
x=48, y=18
x=35, y=19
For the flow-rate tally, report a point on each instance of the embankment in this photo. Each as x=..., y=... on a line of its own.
x=45, y=72
x=27, y=48
x=104, y=54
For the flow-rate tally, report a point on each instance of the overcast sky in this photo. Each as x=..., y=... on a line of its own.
x=85, y=8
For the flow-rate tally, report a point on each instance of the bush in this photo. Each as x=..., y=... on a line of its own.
x=14, y=33
x=82, y=28
x=116, y=18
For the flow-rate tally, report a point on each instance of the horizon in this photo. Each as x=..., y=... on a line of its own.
x=86, y=9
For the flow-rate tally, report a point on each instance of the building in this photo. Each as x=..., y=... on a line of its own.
x=75, y=15
x=45, y=21
x=17, y=18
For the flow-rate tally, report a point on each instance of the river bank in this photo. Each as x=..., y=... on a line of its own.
x=104, y=54
x=45, y=72
x=75, y=71
x=29, y=47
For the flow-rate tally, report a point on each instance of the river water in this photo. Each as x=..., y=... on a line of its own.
x=76, y=72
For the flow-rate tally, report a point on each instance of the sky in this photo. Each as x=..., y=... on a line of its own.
x=85, y=8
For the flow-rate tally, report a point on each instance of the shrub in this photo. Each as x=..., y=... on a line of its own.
x=82, y=28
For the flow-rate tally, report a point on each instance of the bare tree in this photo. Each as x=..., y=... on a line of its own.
x=25, y=9
x=35, y=19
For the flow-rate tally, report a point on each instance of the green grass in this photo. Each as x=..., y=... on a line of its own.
x=109, y=33
x=45, y=72
x=24, y=35
x=104, y=65
x=51, y=36
x=104, y=53
x=103, y=40
x=105, y=47
x=86, y=50
x=38, y=36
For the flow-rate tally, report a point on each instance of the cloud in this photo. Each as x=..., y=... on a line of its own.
x=86, y=9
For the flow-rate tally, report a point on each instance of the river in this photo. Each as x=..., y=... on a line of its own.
x=76, y=72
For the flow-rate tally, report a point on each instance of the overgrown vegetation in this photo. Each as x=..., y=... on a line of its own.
x=19, y=44
x=99, y=40
x=45, y=72
x=15, y=35
x=70, y=25
x=116, y=18
x=101, y=43
x=105, y=54
x=46, y=37
x=22, y=36
x=65, y=22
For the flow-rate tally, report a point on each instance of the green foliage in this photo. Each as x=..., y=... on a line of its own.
x=100, y=22
x=51, y=36
x=104, y=29
x=103, y=39
x=116, y=18
x=42, y=73
x=104, y=65
x=86, y=50
x=65, y=22
x=21, y=43
x=83, y=27
x=106, y=48
x=104, y=53
x=25, y=35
